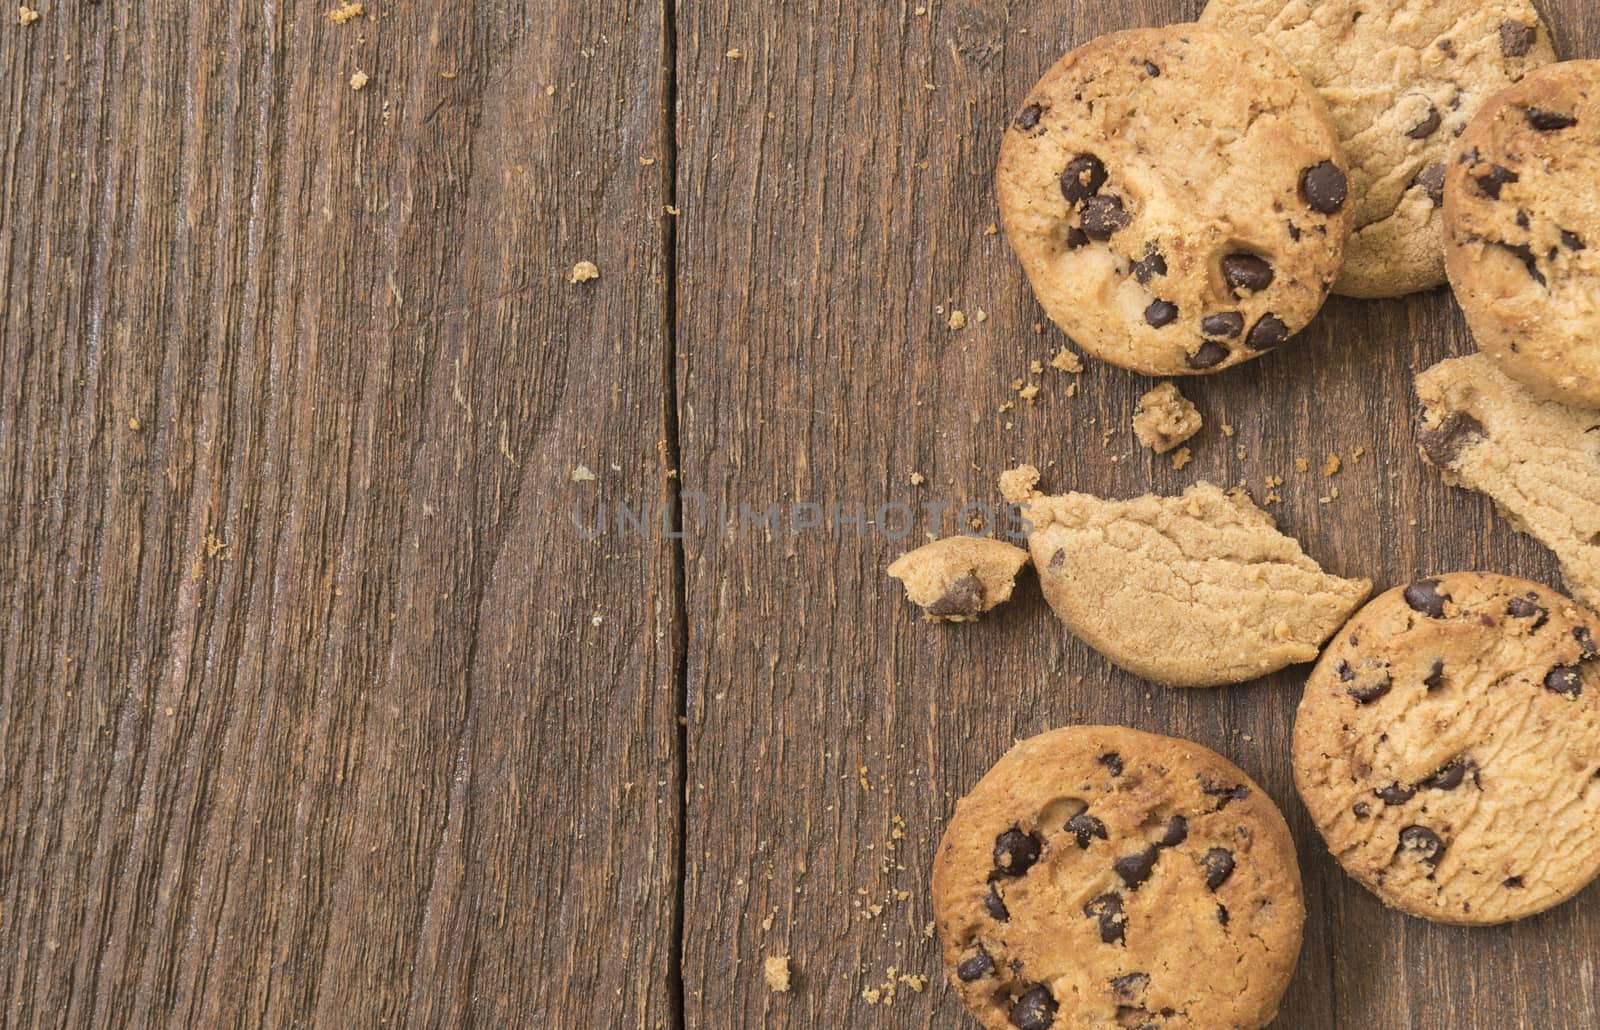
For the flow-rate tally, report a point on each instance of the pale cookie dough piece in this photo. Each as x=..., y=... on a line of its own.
x=1448, y=748
x=1165, y=419
x=1192, y=591
x=1176, y=197
x=1097, y=876
x=1522, y=225
x=1539, y=461
x=960, y=577
x=1401, y=78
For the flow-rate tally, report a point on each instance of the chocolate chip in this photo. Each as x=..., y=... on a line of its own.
x=1035, y=1010
x=1516, y=39
x=1103, y=216
x=1136, y=868
x=1029, y=117
x=1572, y=241
x=1225, y=325
x=1566, y=680
x=1268, y=333
x=1514, y=882
x=1585, y=639
x=1077, y=238
x=1059, y=558
x=1160, y=313
x=1424, y=842
x=964, y=597
x=975, y=966
x=1431, y=179
x=1210, y=355
x=1149, y=266
x=1522, y=219
x=1216, y=790
x=1107, y=908
x=1082, y=178
x=1112, y=761
x=1151, y=69
x=1324, y=187
x=1529, y=260
x=1294, y=232
x=995, y=905
x=1131, y=985
x=1396, y=794
x=1219, y=866
x=1246, y=272
x=1442, y=444
x=1428, y=126
x=1526, y=608
x=1015, y=852
x=1222, y=914
x=1496, y=179
x=1452, y=775
x=1423, y=596
x=1345, y=673
x=1435, y=677
x=1085, y=826
x=1370, y=691
x=1176, y=833
x=1362, y=809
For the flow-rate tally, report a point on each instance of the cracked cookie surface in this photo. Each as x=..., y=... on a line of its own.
x=1195, y=591
x=1538, y=460
x=958, y=578
x=1448, y=745
x=1101, y=876
x=1401, y=81
x=1176, y=197
x=1522, y=231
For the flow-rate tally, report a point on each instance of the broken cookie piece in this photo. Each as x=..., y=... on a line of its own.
x=1165, y=419
x=959, y=578
x=1191, y=591
x=776, y=971
x=1538, y=460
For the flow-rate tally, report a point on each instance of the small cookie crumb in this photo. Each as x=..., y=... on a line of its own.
x=1302, y=465
x=26, y=15
x=1165, y=419
x=135, y=425
x=958, y=321
x=359, y=80
x=1180, y=458
x=345, y=12
x=1067, y=361
x=581, y=474
x=917, y=479
x=1227, y=430
x=776, y=969
x=993, y=230
x=1020, y=484
x=734, y=54
x=1331, y=465
x=583, y=271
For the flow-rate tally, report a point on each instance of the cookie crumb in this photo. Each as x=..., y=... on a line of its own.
x=583, y=271
x=1067, y=361
x=734, y=54
x=1020, y=484
x=1180, y=458
x=1302, y=465
x=581, y=474
x=981, y=315
x=776, y=969
x=1331, y=465
x=647, y=161
x=917, y=479
x=993, y=230
x=1035, y=367
x=1357, y=454
x=345, y=12
x=1029, y=392
x=1227, y=430
x=26, y=15
x=958, y=321
x=1165, y=419
x=359, y=80
x=135, y=425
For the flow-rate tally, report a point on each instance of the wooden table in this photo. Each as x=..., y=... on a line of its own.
x=318, y=706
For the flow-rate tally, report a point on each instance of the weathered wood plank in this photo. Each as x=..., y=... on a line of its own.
x=315, y=710
x=836, y=185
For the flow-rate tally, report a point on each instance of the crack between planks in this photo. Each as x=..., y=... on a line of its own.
x=674, y=487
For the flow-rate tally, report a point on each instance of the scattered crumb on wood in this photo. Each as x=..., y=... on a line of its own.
x=1067, y=361
x=359, y=80
x=1019, y=484
x=1227, y=430
x=583, y=271
x=26, y=15
x=345, y=12
x=992, y=230
x=1358, y=454
x=1165, y=418
x=1180, y=457
x=1302, y=465
x=1331, y=465
x=734, y=54
x=958, y=321
x=647, y=161
x=917, y=479
x=135, y=425
x=581, y=474
x=776, y=969
x=1029, y=392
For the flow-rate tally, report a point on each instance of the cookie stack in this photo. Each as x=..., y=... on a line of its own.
x=1183, y=200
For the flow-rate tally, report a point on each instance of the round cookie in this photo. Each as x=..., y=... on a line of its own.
x=1100, y=876
x=1522, y=229
x=1448, y=745
x=1176, y=197
x=1401, y=80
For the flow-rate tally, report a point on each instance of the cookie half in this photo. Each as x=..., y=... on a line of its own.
x=1192, y=591
x=1100, y=876
x=1448, y=748
x=1537, y=459
x=1401, y=80
x=1522, y=225
x=1177, y=198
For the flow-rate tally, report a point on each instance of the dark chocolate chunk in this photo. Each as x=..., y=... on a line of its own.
x=1082, y=178
x=1112, y=761
x=1371, y=687
x=1219, y=866
x=1585, y=639
x=1210, y=355
x=1435, y=677
x=1422, y=842
x=1431, y=179
x=1222, y=914
x=1529, y=259
x=964, y=597
x=1225, y=325
x=1452, y=775
x=1550, y=121
x=1566, y=680
x=1246, y=272
x=1107, y=908
x=1423, y=596
x=1086, y=827
x=995, y=905
x=1149, y=266
x=1513, y=882
x=1345, y=673
x=1396, y=794
x=1103, y=216
x=1223, y=792
x=1516, y=39
x=1176, y=833
x=1496, y=179
x=1268, y=333
x=1035, y=1010
x=1160, y=314
x=1151, y=69
x=1572, y=241
x=1362, y=809
x=1442, y=444
x=1528, y=608
x=1136, y=868
x=1029, y=118
x=1324, y=187
x=1015, y=852
x=1428, y=126
x=1131, y=985
x=975, y=966
x=1077, y=238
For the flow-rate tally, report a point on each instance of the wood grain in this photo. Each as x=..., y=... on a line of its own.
x=315, y=709
x=836, y=184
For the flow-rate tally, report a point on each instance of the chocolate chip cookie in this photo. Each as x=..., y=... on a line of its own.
x=1401, y=80
x=1448, y=748
x=1177, y=198
x=1522, y=225
x=1538, y=460
x=959, y=578
x=1191, y=591
x=1100, y=876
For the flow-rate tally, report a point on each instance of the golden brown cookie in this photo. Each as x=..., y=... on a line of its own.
x=958, y=578
x=1401, y=80
x=1522, y=225
x=1098, y=876
x=1448, y=745
x=1176, y=197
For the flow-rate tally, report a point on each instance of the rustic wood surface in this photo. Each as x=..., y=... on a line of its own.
x=319, y=706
